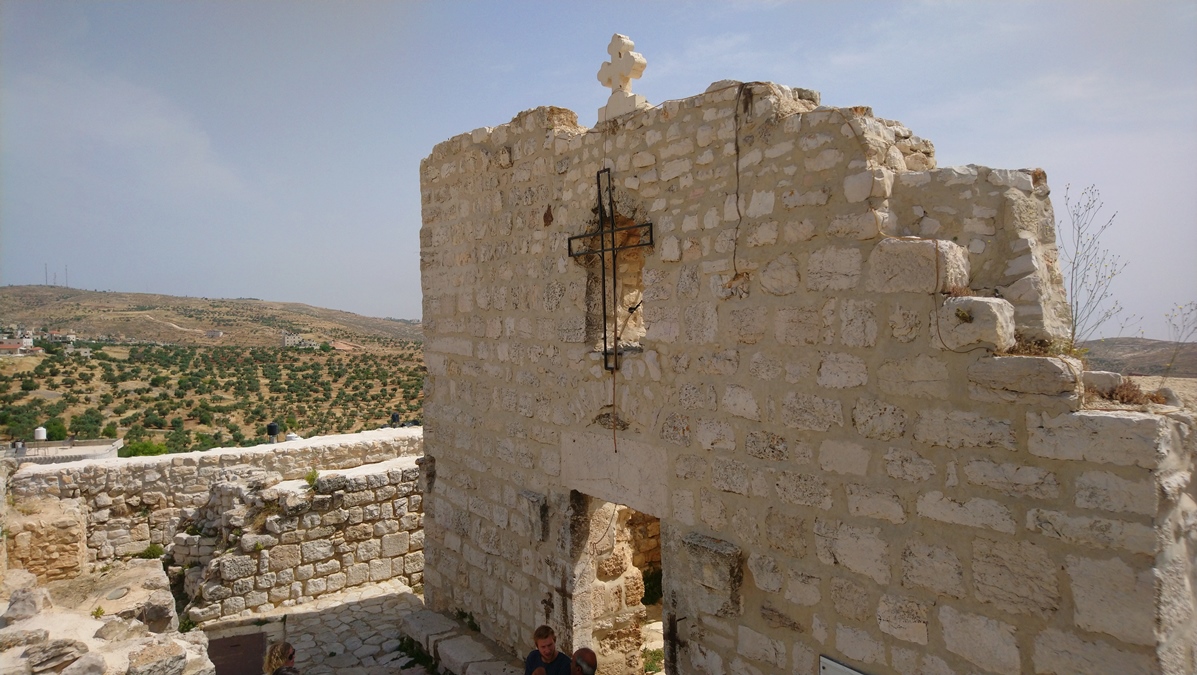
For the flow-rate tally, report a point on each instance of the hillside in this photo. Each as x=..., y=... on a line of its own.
x=170, y=319
x=1142, y=356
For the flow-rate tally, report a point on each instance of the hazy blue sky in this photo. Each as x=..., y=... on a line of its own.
x=271, y=149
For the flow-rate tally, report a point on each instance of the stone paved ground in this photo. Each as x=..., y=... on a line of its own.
x=357, y=632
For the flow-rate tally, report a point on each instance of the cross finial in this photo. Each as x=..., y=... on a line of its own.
x=625, y=65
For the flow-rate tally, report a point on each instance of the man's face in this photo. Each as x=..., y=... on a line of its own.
x=547, y=648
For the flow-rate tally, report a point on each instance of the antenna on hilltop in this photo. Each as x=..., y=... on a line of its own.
x=46, y=271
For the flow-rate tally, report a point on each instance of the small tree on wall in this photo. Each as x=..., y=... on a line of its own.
x=1089, y=267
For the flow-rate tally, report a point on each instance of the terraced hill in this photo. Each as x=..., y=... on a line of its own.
x=167, y=319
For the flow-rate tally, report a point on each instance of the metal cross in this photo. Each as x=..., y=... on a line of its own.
x=604, y=241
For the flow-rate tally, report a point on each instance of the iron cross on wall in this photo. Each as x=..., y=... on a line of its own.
x=605, y=241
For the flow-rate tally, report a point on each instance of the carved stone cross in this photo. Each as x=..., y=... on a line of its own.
x=625, y=65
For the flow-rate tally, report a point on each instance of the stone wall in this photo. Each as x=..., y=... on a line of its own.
x=134, y=502
x=47, y=538
x=815, y=398
x=289, y=544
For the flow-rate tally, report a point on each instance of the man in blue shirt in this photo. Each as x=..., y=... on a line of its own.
x=545, y=659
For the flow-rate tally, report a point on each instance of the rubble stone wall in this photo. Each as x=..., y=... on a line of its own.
x=130, y=503
x=47, y=539
x=289, y=544
x=814, y=398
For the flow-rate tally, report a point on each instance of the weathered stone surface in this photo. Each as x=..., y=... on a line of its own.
x=14, y=636
x=1016, y=480
x=935, y=568
x=878, y=420
x=916, y=265
x=1018, y=577
x=976, y=512
x=1027, y=375
x=1108, y=492
x=753, y=645
x=970, y=322
x=903, y=618
x=987, y=643
x=921, y=377
x=859, y=549
x=426, y=626
x=166, y=658
x=1101, y=380
x=1122, y=438
x=959, y=429
x=1094, y=532
x=25, y=603
x=54, y=654
x=457, y=653
x=1110, y=597
x=1069, y=654
x=89, y=664
x=859, y=645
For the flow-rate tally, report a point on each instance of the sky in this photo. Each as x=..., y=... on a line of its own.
x=271, y=149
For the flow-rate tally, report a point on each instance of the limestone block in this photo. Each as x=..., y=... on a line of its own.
x=933, y=567
x=859, y=644
x=878, y=420
x=988, y=643
x=1015, y=480
x=1108, y=492
x=802, y=589
x=794, y=487
x=12, y=636
x=859, y=549
x=964, y=323
x=1100, y=533
x=916, y=266
x=1005, y=377
x=427, y=628
x=765, y=573
x=765, y=445
x=785, y=532
x=739, y=401
x=903, y=618
x=714, y=563
x=312, y=551
x=1067, y=653
x=729, y=475
x=842, y=371
x=858, y=323
x=1122, y=438
x=753, y=645
x=851, y=599
x=1112, y=598
x=88, y=664
x=158, y=659
x=25, y=603
x=492, y=668
x=780, y=275
x=1017, y=577
x=55, y=654
x=921, y=377
x=237, y=567
x=877, y=182
x=960, y=429
x=975, y=512
x=833, y=268
x=844, y=457
x=908, y=465
x=458, y=653
x=1101, y=380
x=811, y=413
x=870, y=502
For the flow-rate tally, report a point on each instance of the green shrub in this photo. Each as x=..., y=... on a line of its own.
x=151, y=552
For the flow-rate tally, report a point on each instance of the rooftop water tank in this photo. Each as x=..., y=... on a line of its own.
x=39, y=434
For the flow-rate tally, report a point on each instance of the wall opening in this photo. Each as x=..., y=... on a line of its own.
x=617, y=599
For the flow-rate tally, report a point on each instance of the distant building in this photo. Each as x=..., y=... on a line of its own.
x=85, y=352
x=61, y=336
x=11, y=349
x=214, y=334
x=295, y=340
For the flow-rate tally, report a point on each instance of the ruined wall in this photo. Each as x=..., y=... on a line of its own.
x=47, y=538
x=134, y=502
x=282, y=544
x=842, y=461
